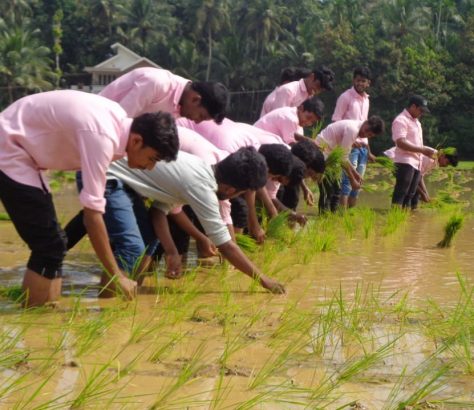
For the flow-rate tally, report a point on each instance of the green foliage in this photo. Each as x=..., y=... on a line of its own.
x=453, y=225
x=334, y=162
x=386, y=163
x=246, y=243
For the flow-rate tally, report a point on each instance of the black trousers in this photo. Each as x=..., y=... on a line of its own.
x=289, y=195
x=407, y=180
x=329, y=195
x=32, y=212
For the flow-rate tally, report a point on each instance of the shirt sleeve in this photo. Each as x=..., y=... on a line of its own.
x=204, y=202
x=96, y=152
x=341, y=108
x=399, y=130
x=287, y=129
x=224, y=209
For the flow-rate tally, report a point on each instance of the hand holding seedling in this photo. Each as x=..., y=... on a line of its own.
x=300, y=218
x=206, y=248
x=272, y=285
x=173, y=266
x=257, y=233
x=428, y=151
x=127, y=286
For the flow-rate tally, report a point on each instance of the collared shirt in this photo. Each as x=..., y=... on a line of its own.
x=147, y=90
x=427, y=164
x=352, y=106
x=287, y=95
x=405, y=126
x=227, y=136
x=283, y=122
x=193, y=143
x=63, y=130
x=340, y=133
x=188, y=180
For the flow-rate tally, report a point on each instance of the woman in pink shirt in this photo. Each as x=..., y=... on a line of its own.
x=408, y=137
x=70, y=130
x=294, y=93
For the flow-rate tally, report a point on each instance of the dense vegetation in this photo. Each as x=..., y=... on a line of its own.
x=423, y=46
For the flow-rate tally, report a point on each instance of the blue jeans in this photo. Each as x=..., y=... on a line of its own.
x=358, y=158
x=127, y=221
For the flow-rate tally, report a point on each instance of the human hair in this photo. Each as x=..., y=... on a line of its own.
x=297, y=171
x=290, y=74
x=244, y=169
x=325, y=76
x=278, y=158
x=214, y=98
x=363, y=72
x=376, y=125
x=452, y=159
x=310, y=154
x=158, y=131
x=314, y=105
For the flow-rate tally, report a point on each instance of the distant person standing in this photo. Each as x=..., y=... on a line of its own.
x=293, y=94
x=408, y=137
x=353, y=104
x=154, y=89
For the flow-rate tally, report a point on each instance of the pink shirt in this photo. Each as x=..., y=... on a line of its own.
x=283, y=122
x=341, y=133
x=228, y=136
x=352, y=106
x=147, y=90
x=405, y=126
x=287, y=95
x=193, y=143
x=427, y=164
x=63, y=130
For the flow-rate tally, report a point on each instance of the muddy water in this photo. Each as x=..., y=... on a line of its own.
x=189, y=324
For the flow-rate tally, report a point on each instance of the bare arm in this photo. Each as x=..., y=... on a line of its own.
x=295, y=216
x=95, y=226
x=262, y=194
x=162, y=231
x=254, y=226
x=423, y=191
x=354, y=177
x=237, y=258
x=406, y=145
x=205, y=247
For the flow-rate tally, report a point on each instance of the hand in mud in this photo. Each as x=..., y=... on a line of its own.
x=128, y=287
x=173, y=266
x=206, y=248
x=272, y=285
x=300, y=218
x=308, y=197
x=258, y=234
x=372, y=157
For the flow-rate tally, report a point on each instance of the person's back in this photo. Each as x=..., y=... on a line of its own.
x=193, y=143
x=227, y=136
x=341, y=133
x=147, y=89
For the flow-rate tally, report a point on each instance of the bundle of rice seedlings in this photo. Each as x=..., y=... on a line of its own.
x=277, y=227
x=245, y=242
x=447, y=151
x=452, y=227
x=334, y=162
x=386, y=163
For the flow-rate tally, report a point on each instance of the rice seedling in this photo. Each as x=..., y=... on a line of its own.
x=334, y=162
x=159, y=352
x=187, y=373
x=447, y=151
x=385, y=163
x=349, y=223
x=14, y=293
x=277, y=227
x=4, y=216
x=246, y=243
x=396, y=216
x=368, y=217
x=451, y=228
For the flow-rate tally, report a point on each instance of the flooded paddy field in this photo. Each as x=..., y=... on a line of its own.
x=376, y=316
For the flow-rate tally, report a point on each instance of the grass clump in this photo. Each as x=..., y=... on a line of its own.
x=277, y=227
x=453, y=225
x=246, y=243
x=386, y=163
x=15, y=293
x=334, y=162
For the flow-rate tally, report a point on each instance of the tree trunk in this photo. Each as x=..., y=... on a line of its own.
x=209, y=54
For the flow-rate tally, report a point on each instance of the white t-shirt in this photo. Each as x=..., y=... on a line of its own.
x=188, y=180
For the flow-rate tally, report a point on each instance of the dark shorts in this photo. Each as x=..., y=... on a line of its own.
x=32, y=212
x=239, y=211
